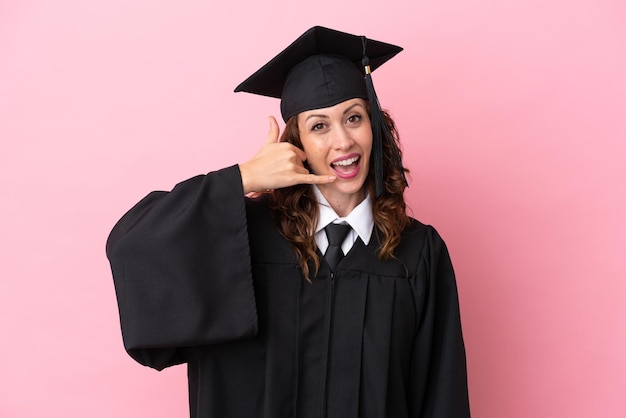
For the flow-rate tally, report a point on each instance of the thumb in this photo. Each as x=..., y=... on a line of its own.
x=272, y=135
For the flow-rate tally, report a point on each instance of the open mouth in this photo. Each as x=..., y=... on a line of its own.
x=346, y=167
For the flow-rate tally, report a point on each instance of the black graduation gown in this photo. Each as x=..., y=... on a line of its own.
x=203, y=277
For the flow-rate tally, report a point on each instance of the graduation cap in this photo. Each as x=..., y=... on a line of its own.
x=322, y=68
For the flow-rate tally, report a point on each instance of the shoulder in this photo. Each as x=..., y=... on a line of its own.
x=420, y=232
x=419, y=240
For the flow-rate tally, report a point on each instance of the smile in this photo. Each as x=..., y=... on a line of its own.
x=347, y=168
x=346, y=162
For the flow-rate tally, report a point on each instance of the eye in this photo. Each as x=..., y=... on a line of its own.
x=318, y=126
x=354, y=118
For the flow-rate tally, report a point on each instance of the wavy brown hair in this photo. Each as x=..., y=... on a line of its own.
x=295, y=209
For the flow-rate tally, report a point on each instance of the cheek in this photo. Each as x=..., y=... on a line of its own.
x=313, y=158
x=312, y=150
x=310, y=156
x=366, y=142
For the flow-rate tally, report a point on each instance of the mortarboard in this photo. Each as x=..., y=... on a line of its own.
x=322, y=68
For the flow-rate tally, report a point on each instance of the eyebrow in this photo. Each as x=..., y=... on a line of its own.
x=326, y=116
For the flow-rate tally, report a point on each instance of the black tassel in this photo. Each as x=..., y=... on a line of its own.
x=380, y=131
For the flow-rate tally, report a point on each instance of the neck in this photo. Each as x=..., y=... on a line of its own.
x=343, y=203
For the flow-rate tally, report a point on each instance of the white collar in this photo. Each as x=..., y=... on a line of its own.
x=361, y=219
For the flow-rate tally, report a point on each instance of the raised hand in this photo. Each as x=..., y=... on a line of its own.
x=276, y=165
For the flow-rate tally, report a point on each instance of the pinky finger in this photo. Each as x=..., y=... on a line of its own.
x=315, y=179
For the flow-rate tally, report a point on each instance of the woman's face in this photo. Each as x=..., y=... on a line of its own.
x=337, y=141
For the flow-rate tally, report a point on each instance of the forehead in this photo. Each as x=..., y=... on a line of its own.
x=337, y=109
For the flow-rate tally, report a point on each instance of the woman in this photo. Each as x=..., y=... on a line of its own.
x=275, y=314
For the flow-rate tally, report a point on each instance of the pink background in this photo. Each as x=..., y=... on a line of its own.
x=513, y=116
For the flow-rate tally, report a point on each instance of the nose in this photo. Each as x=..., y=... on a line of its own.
x=342, y=139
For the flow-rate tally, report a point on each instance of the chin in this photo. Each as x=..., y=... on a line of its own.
x=351, y=187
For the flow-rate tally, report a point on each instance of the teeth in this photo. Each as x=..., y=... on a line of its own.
x=347, y=162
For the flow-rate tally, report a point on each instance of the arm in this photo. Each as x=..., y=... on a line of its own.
x=438, y=371
x=181, y=268
x=181, y=259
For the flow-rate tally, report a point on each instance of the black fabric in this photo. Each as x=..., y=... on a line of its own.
x=202, y=276
x=336, y=233
x=321, y=81
x=322, y=68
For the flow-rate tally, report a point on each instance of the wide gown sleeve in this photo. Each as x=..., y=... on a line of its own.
x=438, y=370
x=181, y=268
